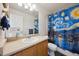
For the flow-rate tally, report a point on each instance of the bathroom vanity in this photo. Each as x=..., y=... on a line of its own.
x=39, y=49
x=33, y=46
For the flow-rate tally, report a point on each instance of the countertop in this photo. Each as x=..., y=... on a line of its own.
x=16, y=46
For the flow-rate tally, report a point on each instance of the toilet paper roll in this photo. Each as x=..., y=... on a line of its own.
x=52, y=46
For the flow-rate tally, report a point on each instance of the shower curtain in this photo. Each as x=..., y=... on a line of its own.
x=63, y=28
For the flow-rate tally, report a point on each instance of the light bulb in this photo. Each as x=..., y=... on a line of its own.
x=34, y=6
x=20, y=4
x=31, y=9
x=26, y=6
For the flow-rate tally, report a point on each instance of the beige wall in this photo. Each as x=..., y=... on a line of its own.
x=1, y=10
x=43, y=21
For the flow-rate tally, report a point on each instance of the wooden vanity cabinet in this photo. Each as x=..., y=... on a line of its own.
x=40, y=49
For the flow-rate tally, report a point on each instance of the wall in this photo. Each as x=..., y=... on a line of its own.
x=1, y=6
x=43, y=21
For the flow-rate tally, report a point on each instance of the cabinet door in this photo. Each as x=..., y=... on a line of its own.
x=42, y=49
x=45, y=48
x=27, y=52
x=39, y=50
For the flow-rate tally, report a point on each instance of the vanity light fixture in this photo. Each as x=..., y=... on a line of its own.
x=28, y=6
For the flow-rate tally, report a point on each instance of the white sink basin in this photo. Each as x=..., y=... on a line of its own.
x=34, y=39
x=29, y=40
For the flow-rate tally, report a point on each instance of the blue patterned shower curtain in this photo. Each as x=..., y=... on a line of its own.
x=63, y=27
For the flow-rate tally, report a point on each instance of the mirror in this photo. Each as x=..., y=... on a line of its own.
x=23, y=20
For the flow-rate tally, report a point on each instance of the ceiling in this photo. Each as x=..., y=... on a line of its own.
x=50, y=7
x=53, y=7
